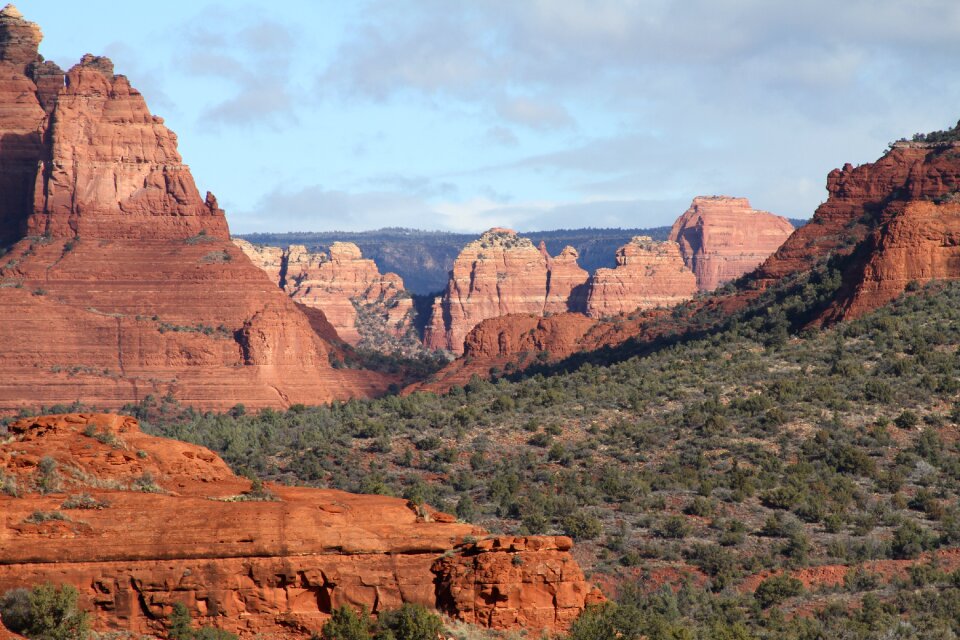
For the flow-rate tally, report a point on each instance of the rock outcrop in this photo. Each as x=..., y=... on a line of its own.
x=123, y=281
x=885, y=223
x=917, y=242
x=567, y=282
x=499, y=274
x=722, y=238
x=162, y=522
x=648, y=274
x=367, y=308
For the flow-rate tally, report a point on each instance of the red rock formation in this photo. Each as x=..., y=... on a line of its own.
x=857, y=198
x=722, y=238
x=127, y=283
x=526, y=583
x=21, y=123
x=567, y=282
x=19, y=39
x=510, y=341
x=918, y=243
x=501, y=274
x=648, y=274
x=884, y=215
x=886, y=223
x=265, y=567
x=364, y=306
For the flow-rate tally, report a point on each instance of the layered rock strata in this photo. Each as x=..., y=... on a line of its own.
x=365, y=307
x=167, y=522
x=722, y=238
x=500, y=274
x=648, y=274
x=123, y=282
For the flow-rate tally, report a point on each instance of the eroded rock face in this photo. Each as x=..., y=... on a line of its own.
x=124, y=281
x=178, y=526
x=507, y=582
x=919, y=242
x=648, y=274
x=501, y=274
x=19, y=39
x=895, y=221
x=723, y=238
x=363, y=305
x=885, y=224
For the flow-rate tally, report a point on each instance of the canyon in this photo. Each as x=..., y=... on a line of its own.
x=118, y=280
x=126, y=518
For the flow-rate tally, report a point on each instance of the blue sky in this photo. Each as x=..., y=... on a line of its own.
x=309, y=115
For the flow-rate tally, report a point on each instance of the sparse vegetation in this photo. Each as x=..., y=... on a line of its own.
x=731, y=453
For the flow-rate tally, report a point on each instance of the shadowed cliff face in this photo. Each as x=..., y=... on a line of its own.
x=27, y=86
x=121, y=281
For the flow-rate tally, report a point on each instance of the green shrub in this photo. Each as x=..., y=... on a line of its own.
x=674, y=527
x=45, y=612
x=777, y=589
x=347, y=623
x=910, y=540
x=581, y=526
x=409, y=622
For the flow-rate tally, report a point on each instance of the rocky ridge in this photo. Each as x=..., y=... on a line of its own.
x=648, y=274
x=281, y=558
x=367, y=308
x=121, y=281
x=499, y=274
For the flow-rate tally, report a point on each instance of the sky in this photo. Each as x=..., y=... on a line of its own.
x=323, y=115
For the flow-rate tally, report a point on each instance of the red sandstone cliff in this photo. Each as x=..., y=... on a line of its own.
x=126, y=283
x=723, y=238
x=895, y=220
x=365, y=307
x=648, y=274
x=177, y=526
x=501, y=274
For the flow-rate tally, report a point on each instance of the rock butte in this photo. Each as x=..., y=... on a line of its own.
x=716, y=240
x=363, y=305
x=122, y=281
x=500, y=274
x=648, y=274
x=722, y=238
x=276, y=567
x=886, y=223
